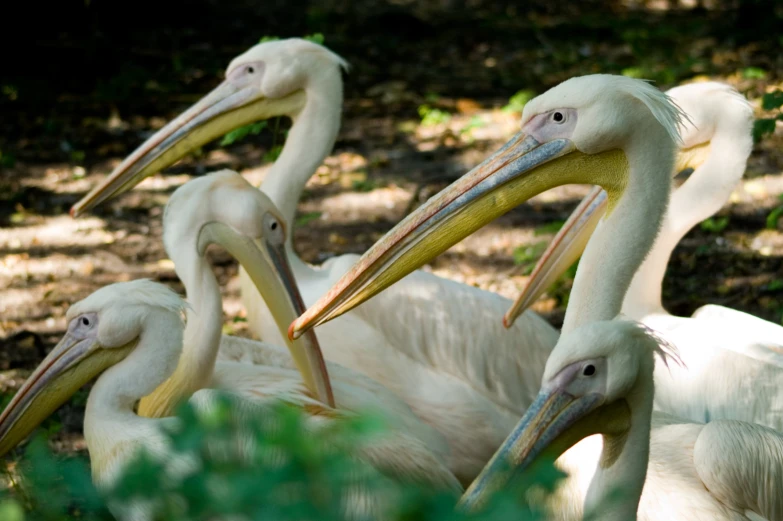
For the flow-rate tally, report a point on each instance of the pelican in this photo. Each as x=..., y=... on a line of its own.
x=616, y=132
x=723, y=349
x=224, y=209
x=599, y=380
x=130, y=335
x=419, y=339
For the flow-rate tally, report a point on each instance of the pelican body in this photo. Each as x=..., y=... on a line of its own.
x=420, y=339
x=224, y=209
x=599, y=381
x=130, y=335
x=723, y=351
x=620, y=134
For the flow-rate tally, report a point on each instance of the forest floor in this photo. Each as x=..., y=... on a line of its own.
x=432, y=112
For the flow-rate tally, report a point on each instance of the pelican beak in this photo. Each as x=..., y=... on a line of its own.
x=230, y=105
x=553, y=423
x=562, y=252
x=524, y=167
x=267, y=265
x=70, y=365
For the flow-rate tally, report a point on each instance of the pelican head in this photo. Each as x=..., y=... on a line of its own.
x=586, y=130
x=223, y=208
x=594, y=378
x=717, y=146
x=102, y=330
x=267, y=80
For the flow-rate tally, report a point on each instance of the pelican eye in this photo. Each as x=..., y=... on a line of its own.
x=589, y=370
x=250, y=70
x=85, y=321
x=558, y=117
x=274, y=225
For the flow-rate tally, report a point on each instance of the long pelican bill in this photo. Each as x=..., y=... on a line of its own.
x=554, y=422
x=521, y=169
x=267, y=265
x=569, y=243
x=230, y=105
x=566, y=247
x=71, y=364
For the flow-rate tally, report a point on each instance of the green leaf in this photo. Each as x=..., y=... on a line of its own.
x=763, y=127
x=775, y=285
x=527, y=255
x=265, y=39
x=518, y=101
x=242, y=132
x=7, y=159
x=552, y=227
x=773, y=217
x=307, y=218
x=273, y=153
x=715, y=224
x=754, y=73
x=772, y=100
x=431, y=116
x=315, y=38
x=10, y=510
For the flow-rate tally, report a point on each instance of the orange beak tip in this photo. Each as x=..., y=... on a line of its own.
x=292, y=333
x=505, y=322
x=72, y=212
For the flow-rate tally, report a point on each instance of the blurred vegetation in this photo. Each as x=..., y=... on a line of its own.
x=283, y=472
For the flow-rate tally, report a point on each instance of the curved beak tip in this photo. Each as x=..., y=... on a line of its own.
x=506, y=322
x=293, y=334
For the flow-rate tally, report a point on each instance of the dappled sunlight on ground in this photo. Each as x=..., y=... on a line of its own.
x=421, y=109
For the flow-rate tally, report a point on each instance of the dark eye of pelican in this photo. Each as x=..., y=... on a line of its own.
x=85, y=321
x=558, y=117
x=273, y=225
x=589, y=370
x=251, y=70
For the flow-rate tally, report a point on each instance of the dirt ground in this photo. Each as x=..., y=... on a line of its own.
x=61, y=132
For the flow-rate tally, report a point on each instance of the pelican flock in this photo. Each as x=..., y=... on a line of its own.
x=651, y=416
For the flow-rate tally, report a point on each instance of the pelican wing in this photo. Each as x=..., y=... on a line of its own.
x=741, y=464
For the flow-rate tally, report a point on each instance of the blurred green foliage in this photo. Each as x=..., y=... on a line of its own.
x=770, y=102
x=431, y=116
x=518, y=101
x=775, y=215
x=242, y=132
x=526, y=256
x=282, y=470
x=715, y=224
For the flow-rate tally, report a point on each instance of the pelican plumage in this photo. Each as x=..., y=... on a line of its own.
x=224, y=209
x=599, y=380
x=612, y=131
x=608, y=130
x=724, y=350
x=419, y=339
x=130, y=335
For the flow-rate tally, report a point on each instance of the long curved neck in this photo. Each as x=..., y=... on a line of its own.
x=201, y=339
x=701, y=196
x=145, y=368
x=309, y=141
x=617, y=484
x=625, y=236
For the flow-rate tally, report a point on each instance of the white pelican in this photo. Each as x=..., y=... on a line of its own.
x=419, y=339
x=612, y=131
x=723, y=350
x=224, y=209
x=599, y=380
x=131, y=334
